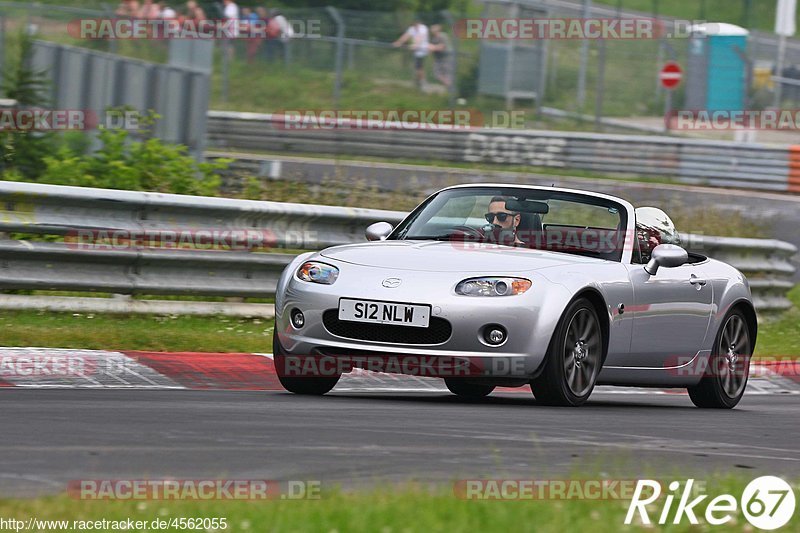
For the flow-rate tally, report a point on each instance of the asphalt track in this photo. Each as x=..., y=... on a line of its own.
x=354, y=439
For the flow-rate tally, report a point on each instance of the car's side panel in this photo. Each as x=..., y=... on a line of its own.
x=610, y=280
x=671, y=313
x=730, y=288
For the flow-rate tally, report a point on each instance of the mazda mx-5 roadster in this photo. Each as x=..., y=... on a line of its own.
x=503, y=285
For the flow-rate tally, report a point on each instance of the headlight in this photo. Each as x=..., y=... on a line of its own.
x=317, y=272
x=493, y=286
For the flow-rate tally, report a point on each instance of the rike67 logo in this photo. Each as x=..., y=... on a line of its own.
x=767, y=502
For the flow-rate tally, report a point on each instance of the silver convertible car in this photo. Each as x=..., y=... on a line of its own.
x=504, y=285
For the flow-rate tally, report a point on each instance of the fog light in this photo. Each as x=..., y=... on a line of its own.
x=298, y=319
x=494, y=335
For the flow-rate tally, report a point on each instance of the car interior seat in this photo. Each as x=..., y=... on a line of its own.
x=530, y=229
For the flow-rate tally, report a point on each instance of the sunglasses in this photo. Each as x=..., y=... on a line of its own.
x=501, y=217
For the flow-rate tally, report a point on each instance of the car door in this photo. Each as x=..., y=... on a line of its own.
x=671, y=315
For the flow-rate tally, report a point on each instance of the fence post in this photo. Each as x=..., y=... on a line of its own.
x=777, y=95
x=2, y=46
x=508, y=82
x=337, y=87
x=659, y=89
x=225, y=71
x=601, y=82
x=108, y=12
x=448, y=17
x=668, y=102
x=351, y=56
x=584, y=62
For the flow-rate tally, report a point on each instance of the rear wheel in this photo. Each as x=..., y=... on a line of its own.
x=466, y=389
x=725, y=379
x=312, y=385
x=574, y=358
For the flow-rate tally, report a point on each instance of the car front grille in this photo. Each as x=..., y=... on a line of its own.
x=437, y=332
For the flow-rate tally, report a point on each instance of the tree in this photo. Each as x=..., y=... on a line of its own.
x=24, y=151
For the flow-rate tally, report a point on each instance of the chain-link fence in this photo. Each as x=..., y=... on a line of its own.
x=346, y=59
x=352, y=51
x=631, y=68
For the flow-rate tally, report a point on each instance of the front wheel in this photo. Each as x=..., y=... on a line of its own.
x=725, y=379
x=573, y=359
x=465, y=389
x=310, y=385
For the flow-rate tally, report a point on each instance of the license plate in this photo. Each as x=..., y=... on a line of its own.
x=384, y=312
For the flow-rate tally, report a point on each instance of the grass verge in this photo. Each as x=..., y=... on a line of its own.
x=779, y=336
x=135, y=332
x=389, y=509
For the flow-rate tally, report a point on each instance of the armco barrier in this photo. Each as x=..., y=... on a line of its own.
x=67, y=211
x=695, y=161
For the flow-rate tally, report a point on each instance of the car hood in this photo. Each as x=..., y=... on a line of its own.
x=435, y=256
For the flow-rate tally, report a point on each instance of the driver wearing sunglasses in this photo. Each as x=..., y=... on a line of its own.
x=503, y=219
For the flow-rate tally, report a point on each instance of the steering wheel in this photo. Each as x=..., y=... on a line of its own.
x=467, y=232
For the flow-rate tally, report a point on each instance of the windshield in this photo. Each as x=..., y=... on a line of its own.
x=530, y=218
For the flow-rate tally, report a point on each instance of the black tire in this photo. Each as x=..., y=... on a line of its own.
x=725, y=379
x=466, y=389
x=574, y=358
x=306, y=385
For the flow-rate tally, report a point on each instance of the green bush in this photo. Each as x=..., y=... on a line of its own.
x=122, y=162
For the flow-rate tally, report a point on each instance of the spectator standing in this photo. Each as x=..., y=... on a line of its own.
x=250, y=21
x=231, y=14
x=279, y=32
x=442, y=51
x=417, y=34
x=287, y=32
x=194, y=12
x=231, y=11
x=128, y=9
x=149, y=10
x=167, y=12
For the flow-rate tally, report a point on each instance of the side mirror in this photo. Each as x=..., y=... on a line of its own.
x=378, y=231
x=667, y=256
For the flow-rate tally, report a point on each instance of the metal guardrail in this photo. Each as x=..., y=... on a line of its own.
x=695, y=161
x=62, y=210
x=67, y=211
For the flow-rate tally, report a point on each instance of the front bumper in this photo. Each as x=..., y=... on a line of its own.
x=519, y=357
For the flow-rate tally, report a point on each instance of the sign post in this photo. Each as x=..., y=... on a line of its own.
x=670, y=77
x=784, y=27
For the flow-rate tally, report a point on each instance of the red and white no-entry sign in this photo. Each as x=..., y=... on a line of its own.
x=670, y=75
